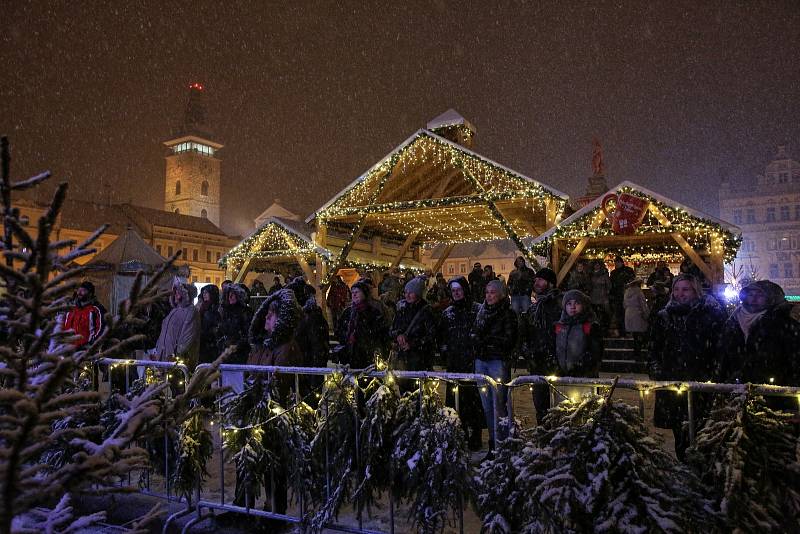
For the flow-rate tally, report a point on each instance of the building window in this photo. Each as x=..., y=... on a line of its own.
x=785, y=243
x=204, y=188
x=194, y=254
x=737, y=216
x=216, y=280
x=194, y=279
x=170, y=252
x=770, y=214
x=203, y=213
x=177, y=188
x=463, y=268
x=788, y=270
x=773, y=270
x=208, y=256
x=751, y=216
x=178, y=211
x=451, y=268
x=219, y=255
x=784, y=213
x=185, y=254
x=783, y=177
x=208, y=279
x=158, y=249
x=797, y=212
x=772, y=244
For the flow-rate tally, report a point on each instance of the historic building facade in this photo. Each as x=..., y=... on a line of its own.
x=768, y=212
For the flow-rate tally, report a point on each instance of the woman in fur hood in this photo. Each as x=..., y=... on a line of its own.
x=234, y=323
x=272, y=332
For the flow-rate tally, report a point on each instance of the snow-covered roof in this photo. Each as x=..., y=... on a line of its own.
x=449, y=118
x=129, y=252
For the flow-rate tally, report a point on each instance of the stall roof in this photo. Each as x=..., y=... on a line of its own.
x=128, y=251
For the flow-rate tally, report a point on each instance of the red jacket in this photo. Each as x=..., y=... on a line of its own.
x=86, y=321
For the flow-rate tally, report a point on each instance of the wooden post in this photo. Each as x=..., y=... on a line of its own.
x=556, y=256
x=402, y=252
x=551, y=213
x=693, y=255
x=243, y=271
x=717, y=249
x=445, y=253
x=571, y=260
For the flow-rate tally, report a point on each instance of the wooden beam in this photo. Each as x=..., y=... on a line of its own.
x=658, y=214
x=445, y=253
x=555, y=252
x=402, y=252
x=243, y=271
x=693, y=255
x=551, y=213
x=571, y=260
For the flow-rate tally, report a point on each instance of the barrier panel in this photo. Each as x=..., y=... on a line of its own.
x=203, y=508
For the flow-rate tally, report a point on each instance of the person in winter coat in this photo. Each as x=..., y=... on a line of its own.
x=579, y=278
x=661, y=274
x=620, y=276
x=598, y=292
x=234, y=324
x=455, y=345
x=338, y=295
x=760, y=342
x=579, y=341
x=413, y=329
x=391, y=286
x=312, y=331
x=85, y=318
x=636, y=314
x=276, y=285
x=258, y=289
x=684, y=341
x=208, y=308
x=273, y=332
x=538, y=335
x=520, y=285
x=180, y=330
x=494, y=335
x=476, y=283
x=362, y=330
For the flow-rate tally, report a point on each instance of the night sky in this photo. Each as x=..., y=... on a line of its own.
x=306, y=98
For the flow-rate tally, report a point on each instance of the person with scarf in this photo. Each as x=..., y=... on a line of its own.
x=362, y=330
x=538, y=335
x=684, y=341
x=494, y=335
x=760, y=342
x=455, y=345
x=579, y=341
x=208, y=308
x=413, y=329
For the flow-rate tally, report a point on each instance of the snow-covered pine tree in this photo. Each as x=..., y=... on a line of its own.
x=750, y=456
x=591, y=467
x=40, y=370
x=430, y=457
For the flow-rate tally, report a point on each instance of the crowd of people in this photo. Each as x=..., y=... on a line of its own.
x=481, y=324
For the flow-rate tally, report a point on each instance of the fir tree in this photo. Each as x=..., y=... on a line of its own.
x=750, y=456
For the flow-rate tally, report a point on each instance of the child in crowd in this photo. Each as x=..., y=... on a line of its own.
x=579, y=342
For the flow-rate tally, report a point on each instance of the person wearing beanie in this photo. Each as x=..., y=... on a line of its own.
x=760, y=342
x=495, y=337
x=538, y=335
x=520, y=285
x=234, y=324
x=413, y=329
x=579, y=341
x=362, y=330
x=85, y=318
x=684, y=344
x=455, y=346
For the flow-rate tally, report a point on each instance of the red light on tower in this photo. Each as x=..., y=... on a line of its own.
x=196, y=85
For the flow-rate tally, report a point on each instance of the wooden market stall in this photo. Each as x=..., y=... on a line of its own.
x=641, y=225
x=432, y=189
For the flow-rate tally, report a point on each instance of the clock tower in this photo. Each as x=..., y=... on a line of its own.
x=193, y=165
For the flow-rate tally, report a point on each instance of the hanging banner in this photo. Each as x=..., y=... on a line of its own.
x=628, y=213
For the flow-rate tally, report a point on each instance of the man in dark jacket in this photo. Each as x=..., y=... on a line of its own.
x=538, y=335
x=456, y=346
x=208, y=308
x=495, y=338
x=520, y=285
x=620, y=276
x=476, y=283
x=760, y=342
x=234, y=324
x=312, y=330
x=413, y=328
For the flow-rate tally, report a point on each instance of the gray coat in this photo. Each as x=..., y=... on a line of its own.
x=636, y=310
x=180, y=330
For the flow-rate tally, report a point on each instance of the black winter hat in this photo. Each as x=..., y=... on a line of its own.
x=548, y=274
x=363, y=285
x=88, y=286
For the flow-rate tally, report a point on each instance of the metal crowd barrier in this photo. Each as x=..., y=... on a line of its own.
x=170, y=367
x=644, y=387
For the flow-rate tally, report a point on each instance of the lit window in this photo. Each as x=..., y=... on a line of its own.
x=194, y=254
x=208, y=279
x=208, y=256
